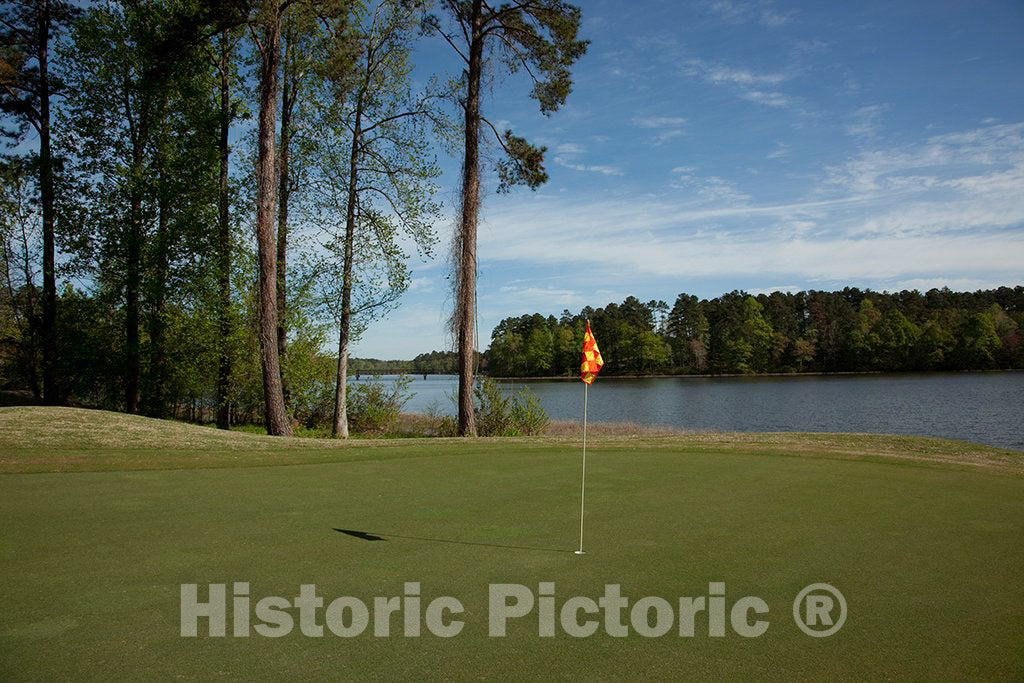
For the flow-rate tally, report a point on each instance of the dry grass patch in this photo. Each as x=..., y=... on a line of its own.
x=79, y=428
x=573, y=428
x=75, y=439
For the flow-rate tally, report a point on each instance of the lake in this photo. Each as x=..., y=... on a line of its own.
x=980, y=407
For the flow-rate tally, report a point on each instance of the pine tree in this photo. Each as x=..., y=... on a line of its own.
x=540, y=37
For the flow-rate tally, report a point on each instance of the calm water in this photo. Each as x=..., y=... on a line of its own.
x=981, y=407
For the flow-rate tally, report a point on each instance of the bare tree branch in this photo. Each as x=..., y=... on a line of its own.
x=497, y=135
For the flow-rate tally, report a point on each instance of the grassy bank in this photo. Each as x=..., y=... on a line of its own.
x=105, y=516
x=41, y=439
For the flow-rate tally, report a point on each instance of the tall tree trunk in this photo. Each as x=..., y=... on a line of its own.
x=287, y=102
x=132, y=277
x=138, y=127
x=51, y=391
x=340, y=427
x=276, y=416
x=27, y=313
x=154, y=400
x=224, y=245
x=466, y=296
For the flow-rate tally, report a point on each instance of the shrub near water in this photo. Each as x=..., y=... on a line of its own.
x=500, y=415
x=528, y=416
x=374, y=407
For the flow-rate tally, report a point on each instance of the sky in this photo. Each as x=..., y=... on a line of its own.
x=715, y=145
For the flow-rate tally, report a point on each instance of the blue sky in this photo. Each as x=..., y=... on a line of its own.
x=746, y=144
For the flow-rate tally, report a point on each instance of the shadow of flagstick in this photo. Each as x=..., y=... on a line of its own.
x=366, y=536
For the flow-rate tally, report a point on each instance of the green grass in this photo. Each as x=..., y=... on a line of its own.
x=105, y=516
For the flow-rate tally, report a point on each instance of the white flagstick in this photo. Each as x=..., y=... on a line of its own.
x=583, y=489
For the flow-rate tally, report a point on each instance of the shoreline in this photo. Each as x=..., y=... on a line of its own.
x=844, y=373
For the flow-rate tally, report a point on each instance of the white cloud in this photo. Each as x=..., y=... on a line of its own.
x=666, y=135
x=707, y=189
x=588, y=168
x=567, y=157
x=529, y=298
x=659, y=121
x=985, y=158
x=733, y=253
x=866, y=122
x=570, y=148
x=791, y=289
x=421, y=284
x=781, y=151
x=667, y=127
x=769, y=99
x=741, y=11
x=722, y=74
x=748, y=84
x=809, y=48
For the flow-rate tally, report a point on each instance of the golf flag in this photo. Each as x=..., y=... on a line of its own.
x=592, y=364
x=592, y=361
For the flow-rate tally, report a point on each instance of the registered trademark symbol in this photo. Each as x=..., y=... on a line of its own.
x=813, y=610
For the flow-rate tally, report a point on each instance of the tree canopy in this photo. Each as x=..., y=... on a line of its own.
x=851, y=330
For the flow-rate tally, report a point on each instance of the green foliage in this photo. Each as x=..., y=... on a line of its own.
x=89, y=338
x=499, y=414
x=523, y=165
x=541, y=37
x=492, y=409
x=746, y=339
x=442, y=424
x=804, y=349
x=20, y=336
x=539, y=351
x=310, y=377
x=506, y=357
x=978, y=342
x=371, y=106
x=538, y=38
x=651, y=351
x=432, y=363
x=528, y=416
x=26, y=28
x=688, y=333
x=373, y=406
x=436, y=362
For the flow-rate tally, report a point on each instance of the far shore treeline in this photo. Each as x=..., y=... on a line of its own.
x=851, y=330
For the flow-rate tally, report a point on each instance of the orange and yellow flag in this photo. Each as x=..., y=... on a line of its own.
x=592, y=361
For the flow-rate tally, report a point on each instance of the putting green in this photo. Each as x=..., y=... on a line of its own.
x=928, y=557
